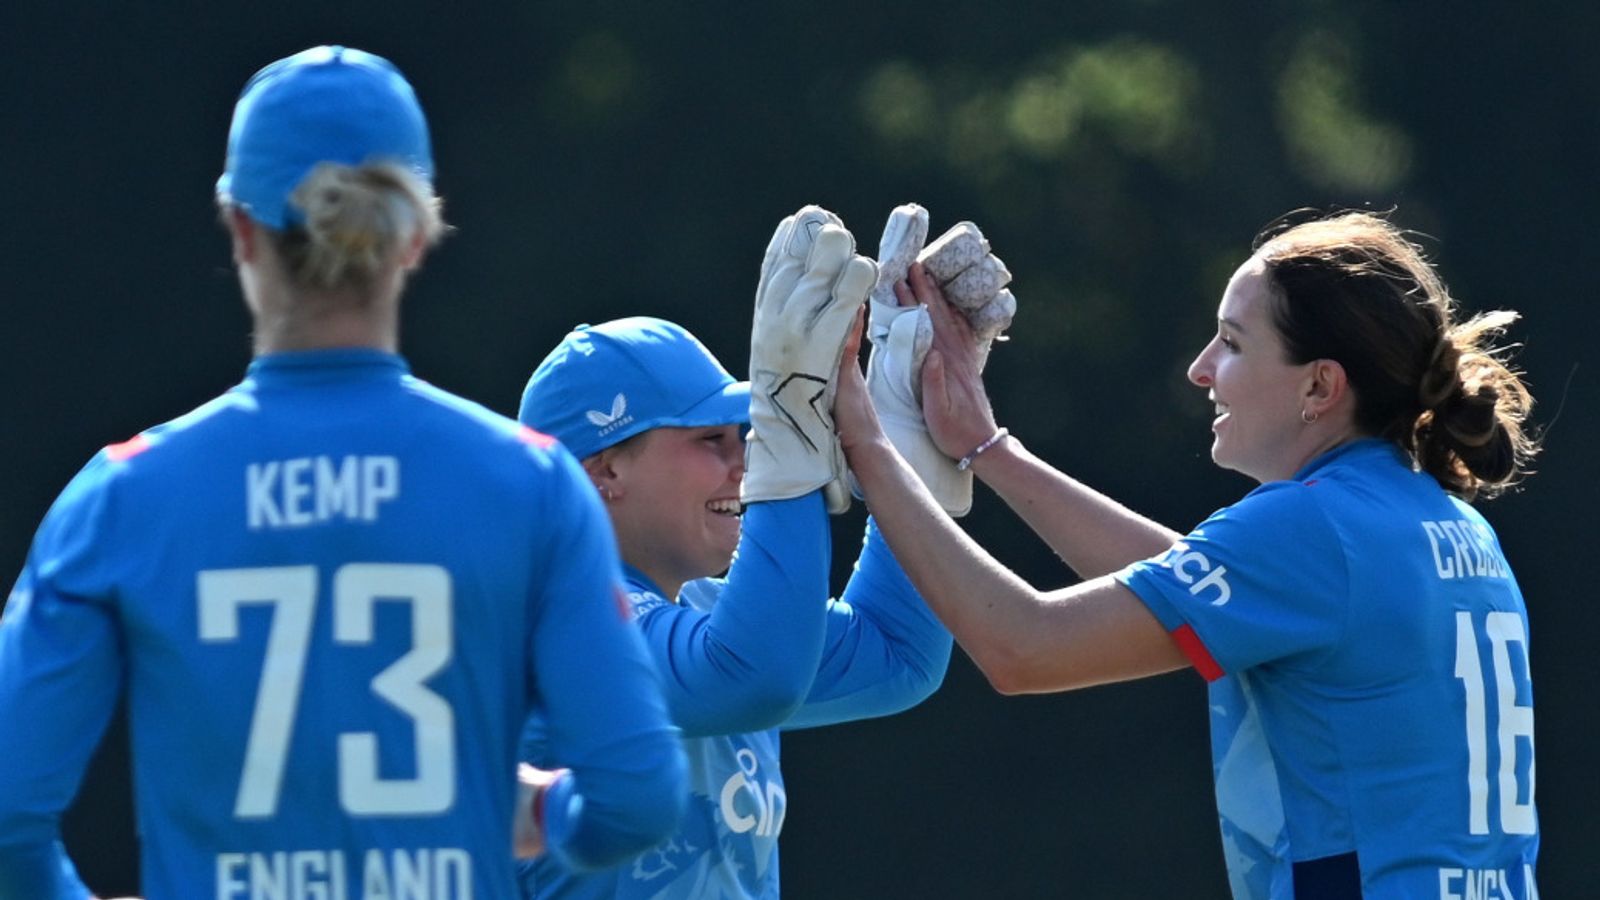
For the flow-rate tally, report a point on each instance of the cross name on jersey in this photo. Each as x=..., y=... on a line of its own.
x=436, y=873
x=1463, y=549
x=309, y=490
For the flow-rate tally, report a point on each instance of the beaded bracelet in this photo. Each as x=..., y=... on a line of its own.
x=965, y=462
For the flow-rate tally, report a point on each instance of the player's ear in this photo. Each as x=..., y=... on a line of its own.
x=1326, y=384
x=413, y=251
x=244, y=232
x=603, y=473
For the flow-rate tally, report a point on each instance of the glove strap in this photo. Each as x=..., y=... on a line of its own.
x=965, y=462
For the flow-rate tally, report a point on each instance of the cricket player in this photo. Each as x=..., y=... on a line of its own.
x=659, y=424
x=332, y=595
x=1365, y=640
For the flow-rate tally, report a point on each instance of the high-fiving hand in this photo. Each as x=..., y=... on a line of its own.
x=960, y=267
x=812, y=285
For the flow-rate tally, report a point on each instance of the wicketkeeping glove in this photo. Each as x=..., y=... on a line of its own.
x=973, y=280
x=812, y=284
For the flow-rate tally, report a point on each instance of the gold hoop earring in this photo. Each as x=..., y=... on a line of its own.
x=1308, y=418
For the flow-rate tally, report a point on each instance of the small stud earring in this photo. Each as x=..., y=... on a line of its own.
x=1308, y=417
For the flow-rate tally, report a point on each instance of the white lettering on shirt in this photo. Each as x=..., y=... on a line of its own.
x=1483, y=884
x=1464, y=549
x=770, y=801
x=1181, y=558
x=294, y=493
x=424, y=873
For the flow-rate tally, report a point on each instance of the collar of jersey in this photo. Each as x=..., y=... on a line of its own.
x=641, y=581
x=340, y=363
x=1344, y=452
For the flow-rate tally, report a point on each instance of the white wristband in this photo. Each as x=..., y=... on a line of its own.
x=965, y=462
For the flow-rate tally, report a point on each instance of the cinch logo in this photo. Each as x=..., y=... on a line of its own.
x=1188, y=565
x=609, y=422
x=770, y=804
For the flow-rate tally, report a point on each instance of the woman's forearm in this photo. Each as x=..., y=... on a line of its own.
x=1091, y=532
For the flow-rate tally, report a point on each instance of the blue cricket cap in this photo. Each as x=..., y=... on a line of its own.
x=606, y=383
x=326, y=104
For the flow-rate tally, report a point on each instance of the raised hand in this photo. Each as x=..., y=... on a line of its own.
x=812, y=286
x=902, y=334
x=954, y=403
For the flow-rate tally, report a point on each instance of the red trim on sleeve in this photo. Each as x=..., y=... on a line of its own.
x=129, y=448
x=536, y=438
x=1195, y=649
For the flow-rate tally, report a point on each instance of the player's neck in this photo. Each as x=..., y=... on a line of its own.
x=288, y=320
x=668, y=584
x=288, y=334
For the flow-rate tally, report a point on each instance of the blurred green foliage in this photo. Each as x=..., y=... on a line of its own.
x=1331, y=140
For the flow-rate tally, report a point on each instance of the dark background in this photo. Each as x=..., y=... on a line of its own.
x=613, y=158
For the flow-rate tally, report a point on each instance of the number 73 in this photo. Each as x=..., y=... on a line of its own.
x=291, y=593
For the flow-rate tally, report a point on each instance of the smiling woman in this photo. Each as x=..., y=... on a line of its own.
x=659, y=425
x=673, y=494
x=1261, y=425
x=1364, y=637
x=1354, y=291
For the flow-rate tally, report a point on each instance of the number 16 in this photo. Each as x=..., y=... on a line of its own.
x=1515, y=721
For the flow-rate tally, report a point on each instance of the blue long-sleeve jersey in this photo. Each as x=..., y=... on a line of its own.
x=743, y=658
x=1371, y=707
x=331, y=597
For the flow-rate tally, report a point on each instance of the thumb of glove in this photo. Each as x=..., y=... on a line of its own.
x=904, y=235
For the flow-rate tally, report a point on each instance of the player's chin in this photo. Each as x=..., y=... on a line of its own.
x=731, y=544
x=722, y=545
x=718, y=561
x=1219, y=452
x=1226, y=457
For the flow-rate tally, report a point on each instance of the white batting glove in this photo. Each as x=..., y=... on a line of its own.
x=974, y=281
x=812, y=285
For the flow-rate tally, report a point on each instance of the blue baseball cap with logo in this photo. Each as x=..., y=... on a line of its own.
x=606, y=383
x=326, y=104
